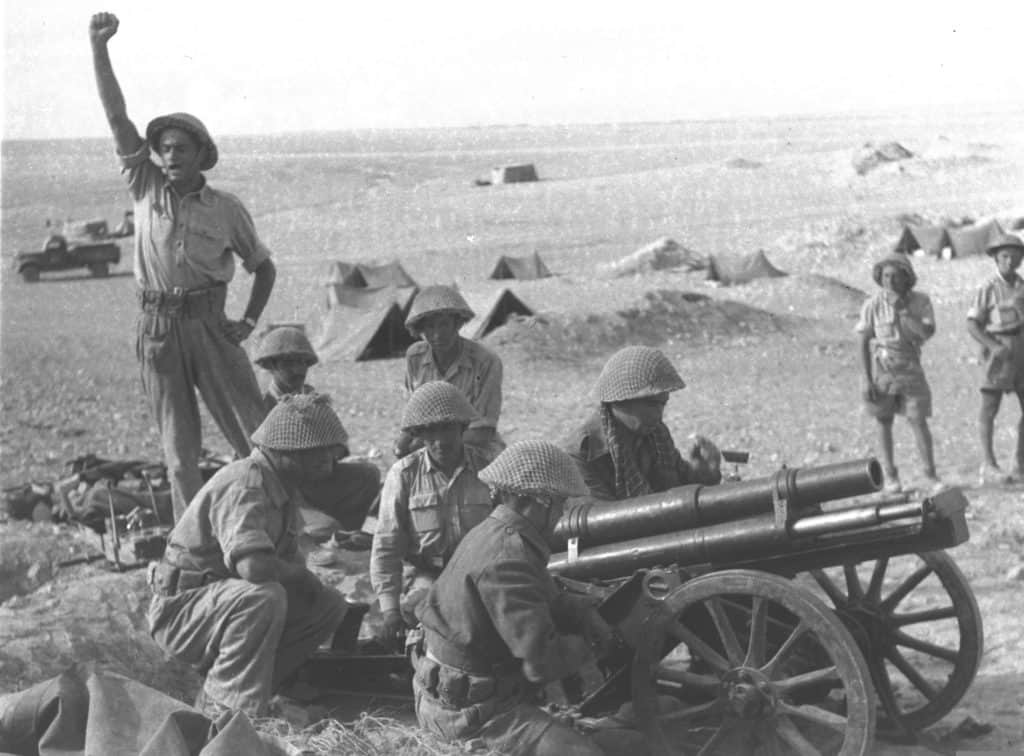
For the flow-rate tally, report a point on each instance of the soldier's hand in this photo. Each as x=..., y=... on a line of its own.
x=237, y=331
x=394, y=628
x=706, y=460
x=102, y=27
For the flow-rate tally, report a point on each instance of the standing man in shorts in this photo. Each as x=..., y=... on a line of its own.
x=995, y=320
x=186, y=237
x=893, y=325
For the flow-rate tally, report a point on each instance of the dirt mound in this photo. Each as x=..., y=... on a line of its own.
x=661, y=254
x=808, y=295
x=662, y=316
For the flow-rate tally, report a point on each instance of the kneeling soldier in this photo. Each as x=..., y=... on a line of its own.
x=232, y=596
x=430, y=500
x=493, y=622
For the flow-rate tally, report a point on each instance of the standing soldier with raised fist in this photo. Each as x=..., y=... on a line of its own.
x=187, y=235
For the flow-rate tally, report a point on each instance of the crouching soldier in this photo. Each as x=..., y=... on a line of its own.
x=347, y=493
x=495, y=626
x=430, y=500
x=232, y=596
x=624, y=449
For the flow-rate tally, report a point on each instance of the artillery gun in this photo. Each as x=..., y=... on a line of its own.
x=778, y=615
x=785, y=614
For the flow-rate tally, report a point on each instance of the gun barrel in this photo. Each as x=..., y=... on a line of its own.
x=695, y=506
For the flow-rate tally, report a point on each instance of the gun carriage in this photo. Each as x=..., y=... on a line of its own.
x=785, y=614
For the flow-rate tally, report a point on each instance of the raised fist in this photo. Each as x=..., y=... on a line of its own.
x=102, y=27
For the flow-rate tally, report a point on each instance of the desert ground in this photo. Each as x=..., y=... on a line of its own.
x=771, y=366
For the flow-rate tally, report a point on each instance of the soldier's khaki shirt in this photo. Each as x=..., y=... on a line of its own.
x=422, y=517
x=192, y=247
x=245, y=508
x=998, y=304
x=476, y=372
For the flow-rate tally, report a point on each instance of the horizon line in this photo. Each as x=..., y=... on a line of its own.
x=976, y=108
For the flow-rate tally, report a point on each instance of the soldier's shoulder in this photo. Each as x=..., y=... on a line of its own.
x=480, y=353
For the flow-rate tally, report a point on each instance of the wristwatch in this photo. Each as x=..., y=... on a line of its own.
x=251, y=322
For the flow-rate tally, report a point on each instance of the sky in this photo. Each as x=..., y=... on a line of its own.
x=323, y=65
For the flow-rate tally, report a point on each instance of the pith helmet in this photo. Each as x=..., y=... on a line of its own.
x=434, y=403
x=186, y=122
x=536, y=468
x=301, y=421
x=285, y=342
x=635, y=372
x=1000, y=241
x=897, y=260
x=433, y=300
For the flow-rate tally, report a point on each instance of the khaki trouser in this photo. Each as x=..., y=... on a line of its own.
x=181, y=347
x=246, y=638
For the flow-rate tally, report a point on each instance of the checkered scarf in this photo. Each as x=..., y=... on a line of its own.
x=628, y=480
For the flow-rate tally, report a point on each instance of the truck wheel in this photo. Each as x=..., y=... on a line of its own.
x=100, y=269
x=30, y=273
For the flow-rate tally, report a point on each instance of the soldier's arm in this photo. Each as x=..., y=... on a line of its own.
x=390, y=543
x=518, y=598
x=102, y=27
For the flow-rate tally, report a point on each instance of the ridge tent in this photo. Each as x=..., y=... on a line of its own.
x=731, y=270
x=367, y=275
x=926, y=237
x=494, y=313
x=521, y=268
x=513, y=174
x=365, y=324
x=972, y=240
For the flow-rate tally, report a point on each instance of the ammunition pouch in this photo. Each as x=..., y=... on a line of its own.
x=167, y=580
x=455, y=688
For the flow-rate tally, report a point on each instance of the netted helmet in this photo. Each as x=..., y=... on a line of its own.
x=436, y=403
x=185, y=122
x=285, y=342
x=534, y=468
x=1002, y=241
x=301, y=421
x=434, y=300
x=897, y=260
x=635, y=372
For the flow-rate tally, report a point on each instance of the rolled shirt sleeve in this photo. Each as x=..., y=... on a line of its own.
x=244, y=241
x=390, y=541
x=866, y=321
x=239, y=523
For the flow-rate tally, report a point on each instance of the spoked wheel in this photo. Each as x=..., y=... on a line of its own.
x=917, y=622
x=744, y=662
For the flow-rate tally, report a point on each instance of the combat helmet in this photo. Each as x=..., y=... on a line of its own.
x=301, y=421
x=433, y=300
x=284, y=341
x=635, y=372
x=534, y=468
x=435, y=403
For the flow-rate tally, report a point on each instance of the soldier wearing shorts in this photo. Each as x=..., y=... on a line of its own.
x=893, y=325
x=995, y=320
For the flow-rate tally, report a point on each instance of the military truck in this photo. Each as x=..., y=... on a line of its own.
x=60, y=254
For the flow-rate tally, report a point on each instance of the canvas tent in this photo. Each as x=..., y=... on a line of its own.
x=513, y=174
x=367, y=275
x=493, y=313
x=521, y=268
x=961, y=241
x=365, y=324
x=926, y=237
x=731, y=270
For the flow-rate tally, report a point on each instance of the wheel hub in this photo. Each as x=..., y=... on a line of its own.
x=748, y=694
